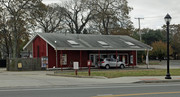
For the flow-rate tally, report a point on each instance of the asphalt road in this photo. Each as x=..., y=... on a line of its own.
x=109, y=90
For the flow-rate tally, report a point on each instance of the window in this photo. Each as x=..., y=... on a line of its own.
x=103, y=43
x=72, y=42
x=63, y=58
x=108, y=59
x=112, y=59
x=131, y=59
x=130, y=43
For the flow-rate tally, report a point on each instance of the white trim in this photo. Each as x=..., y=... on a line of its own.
x=96, y=49
x=64, y=59
x=147, y=59
x=46, y=49
x=29, y=42
x=40, y=37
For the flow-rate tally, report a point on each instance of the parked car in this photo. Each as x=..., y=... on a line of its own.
x=111, y=62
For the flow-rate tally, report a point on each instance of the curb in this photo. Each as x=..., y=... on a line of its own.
x=77, y=76
x=158, y=81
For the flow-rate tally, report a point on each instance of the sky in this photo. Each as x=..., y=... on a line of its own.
x=153, y=12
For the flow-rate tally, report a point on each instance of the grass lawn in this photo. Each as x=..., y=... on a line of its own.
x=121, y=73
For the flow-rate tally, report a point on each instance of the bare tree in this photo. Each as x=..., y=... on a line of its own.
x=48, y=18
x=78, y=13
x=15, y=21
x=5, y=35
x=111, y=16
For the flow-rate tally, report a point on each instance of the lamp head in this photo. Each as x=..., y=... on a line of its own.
x=167, y=18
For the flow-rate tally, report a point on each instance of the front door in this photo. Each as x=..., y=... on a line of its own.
x=124, y=59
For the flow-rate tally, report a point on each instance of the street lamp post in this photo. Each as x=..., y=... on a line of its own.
x=167, y=19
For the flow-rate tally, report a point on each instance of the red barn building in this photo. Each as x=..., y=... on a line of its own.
x=62, y=50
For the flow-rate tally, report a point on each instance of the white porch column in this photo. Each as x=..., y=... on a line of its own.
x=147, y=59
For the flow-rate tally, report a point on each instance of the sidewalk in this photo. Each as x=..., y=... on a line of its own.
x=40, y=78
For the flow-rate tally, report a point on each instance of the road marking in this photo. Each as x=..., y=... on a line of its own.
x=81, y=87
x=105, y=95
x=138, y=94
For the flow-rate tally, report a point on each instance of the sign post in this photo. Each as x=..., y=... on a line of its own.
x=89, y=66
x=76, y=67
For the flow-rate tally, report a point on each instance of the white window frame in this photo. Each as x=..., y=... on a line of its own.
x=63, y=59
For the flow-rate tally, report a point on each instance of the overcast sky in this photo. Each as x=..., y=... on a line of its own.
x=153, y=12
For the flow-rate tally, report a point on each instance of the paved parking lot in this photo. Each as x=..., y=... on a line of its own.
x=174, y=64
x=40, y=78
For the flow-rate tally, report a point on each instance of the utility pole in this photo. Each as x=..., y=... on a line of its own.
x=139, y=22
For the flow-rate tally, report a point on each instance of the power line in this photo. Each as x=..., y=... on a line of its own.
x=154, y=16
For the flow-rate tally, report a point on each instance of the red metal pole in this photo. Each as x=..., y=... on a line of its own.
x=80, y=60
x=99, y=59
x=61, y=60
x=89, y=70
x=76, y=71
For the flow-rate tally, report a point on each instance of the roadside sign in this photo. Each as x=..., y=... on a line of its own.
x=89, y=66
x=19, y=65
x=76, y=65
x=89, y=63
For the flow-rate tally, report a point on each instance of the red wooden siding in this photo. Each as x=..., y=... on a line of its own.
x=40, y=44
x=51, y=57
x=134, y=58
x=72, y=56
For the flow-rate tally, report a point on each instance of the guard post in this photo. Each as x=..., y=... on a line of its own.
x=89, y=63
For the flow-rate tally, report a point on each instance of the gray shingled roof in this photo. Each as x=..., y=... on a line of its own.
x=90, y=42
